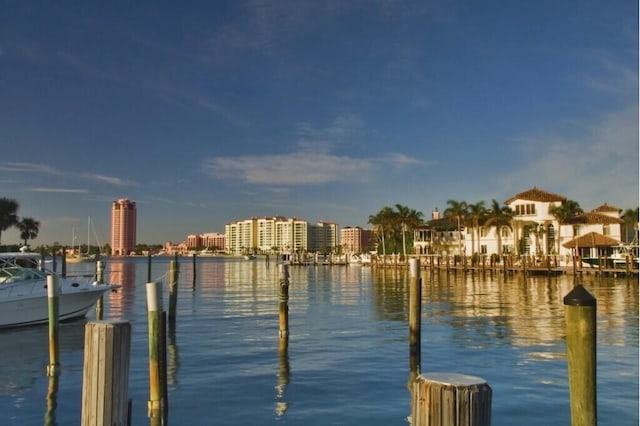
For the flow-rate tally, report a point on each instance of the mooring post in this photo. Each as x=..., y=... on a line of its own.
x=194, y=271
x=53, y=304
x=157, y=378
x=173, y=289
x=450, y=399
x=105, y=383
x=100, y=279
x=283, y=297
x=149, y=267
x=580, y=316
x=415, y=308
x=63, y=270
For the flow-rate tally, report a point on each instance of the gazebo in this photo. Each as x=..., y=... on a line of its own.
x=592, y=245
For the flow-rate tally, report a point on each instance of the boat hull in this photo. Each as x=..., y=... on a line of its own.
x=19, y=311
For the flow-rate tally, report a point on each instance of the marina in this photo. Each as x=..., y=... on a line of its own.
x=348, y=352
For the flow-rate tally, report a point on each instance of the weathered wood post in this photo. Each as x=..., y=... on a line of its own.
x=415, y=308
x=580, y=316
x=63, y=260
x=194, y=271
x=105, y=383
x=54, y=261
x=283, y=297
x=149, y=267
x=100, y=279
x=173, y=289
x=157, y=405
x=450, y=399
x=53, y=305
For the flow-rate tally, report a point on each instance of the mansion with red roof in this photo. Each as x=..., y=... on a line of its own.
x=530, y=229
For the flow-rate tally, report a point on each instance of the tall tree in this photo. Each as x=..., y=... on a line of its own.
x=409, y=219
x=457, y=210
x=499, y=216
x=29, y=229
x=563, y=212
x=8, y=214
x=631, y=219
x=475, y=212
x=382, y=222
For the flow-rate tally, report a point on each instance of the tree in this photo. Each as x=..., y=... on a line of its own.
x=409, y=219
x=381, y=221
x=29, y=229
x=499, y=216
x=457, y=210
x=8, y=214
x=631, y=218
x=563, y=212
x=475, y=212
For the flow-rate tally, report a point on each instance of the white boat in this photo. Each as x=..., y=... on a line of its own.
x=24, y=297
x=79, y=257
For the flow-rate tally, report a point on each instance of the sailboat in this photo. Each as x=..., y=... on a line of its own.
x=80, y=257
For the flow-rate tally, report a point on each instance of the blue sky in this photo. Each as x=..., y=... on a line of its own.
x=209, y=112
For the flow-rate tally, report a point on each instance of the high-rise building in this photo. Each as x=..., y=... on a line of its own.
x=123, y=227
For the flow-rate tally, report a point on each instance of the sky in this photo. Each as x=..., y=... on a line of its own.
x=205, y=113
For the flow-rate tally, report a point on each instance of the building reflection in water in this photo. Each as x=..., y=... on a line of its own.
x=524, y=311
x=121, y=302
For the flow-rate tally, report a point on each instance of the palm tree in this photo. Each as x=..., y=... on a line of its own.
x=381, y=221
x=457, y=210
x=475, y=212
x=566, y=210
x=29, y=229
x=631, y=218
x=8, y=214
x=499, y=216
x=409, y=220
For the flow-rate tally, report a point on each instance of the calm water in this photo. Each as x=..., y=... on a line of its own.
x=348, y=357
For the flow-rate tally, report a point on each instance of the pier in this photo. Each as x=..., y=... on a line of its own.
x=510, y=264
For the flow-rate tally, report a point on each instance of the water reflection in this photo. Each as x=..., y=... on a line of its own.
x=121, y=302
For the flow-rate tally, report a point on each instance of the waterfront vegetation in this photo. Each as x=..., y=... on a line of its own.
x=393, y=226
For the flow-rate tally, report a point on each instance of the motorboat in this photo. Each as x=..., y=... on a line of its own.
x=24, y=296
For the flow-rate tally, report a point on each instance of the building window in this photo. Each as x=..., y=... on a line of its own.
x=483, y=249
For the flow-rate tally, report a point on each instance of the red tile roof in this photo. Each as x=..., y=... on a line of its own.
x=536, y=194
x=605, y=208
x=592, y=239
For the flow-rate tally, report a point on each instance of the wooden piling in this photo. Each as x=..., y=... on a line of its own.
x=173, y=289
x=105, y=384
x=63, y=261
x=100, y=279
x=283, y=300
x=450, y=399
x=149, y=267
x=157, y=378
x=194, y=271
x=415, y=308
x=580, y=316
x=53, y=305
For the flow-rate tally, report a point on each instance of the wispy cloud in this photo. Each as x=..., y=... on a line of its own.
x=29, y=168
x=37, y=168
x=298, y=168
x=61, y=190
x=598, y=165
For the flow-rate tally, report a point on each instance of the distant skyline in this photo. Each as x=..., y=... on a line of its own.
x=207, y=113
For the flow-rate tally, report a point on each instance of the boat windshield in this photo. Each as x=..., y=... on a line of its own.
x=14, y=274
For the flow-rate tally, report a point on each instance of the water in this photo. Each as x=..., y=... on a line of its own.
x=347, y=361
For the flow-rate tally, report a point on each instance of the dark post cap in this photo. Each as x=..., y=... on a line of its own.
x=579, y=296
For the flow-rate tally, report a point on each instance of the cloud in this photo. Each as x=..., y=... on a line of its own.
x=109, y=179
x=36, y=168
x=60, y=190
x=298, y=168
x=29, y=168
x=598, y=165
